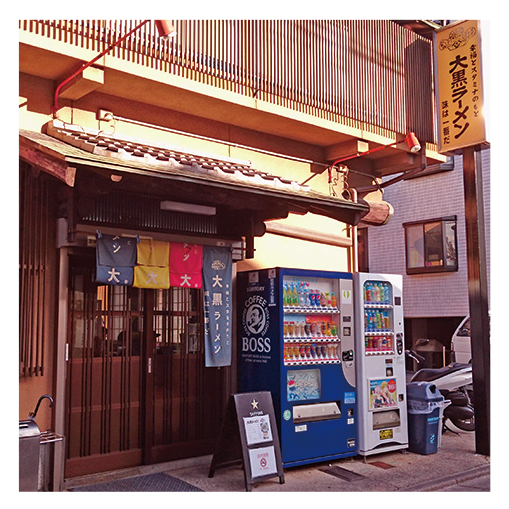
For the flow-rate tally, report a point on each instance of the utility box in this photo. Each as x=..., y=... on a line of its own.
x=29, y=452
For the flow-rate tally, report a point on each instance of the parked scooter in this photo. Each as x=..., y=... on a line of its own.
x=454, y=383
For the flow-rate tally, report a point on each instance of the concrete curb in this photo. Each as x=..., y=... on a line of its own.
x=451, y=480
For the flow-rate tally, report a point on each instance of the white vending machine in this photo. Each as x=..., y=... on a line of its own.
x=380, y=368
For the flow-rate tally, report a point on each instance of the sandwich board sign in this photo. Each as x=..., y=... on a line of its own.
x=249, y=435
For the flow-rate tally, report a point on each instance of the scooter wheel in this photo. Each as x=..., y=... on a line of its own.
x=466, y=424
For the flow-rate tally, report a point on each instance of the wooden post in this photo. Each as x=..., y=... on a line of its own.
x=478, y=295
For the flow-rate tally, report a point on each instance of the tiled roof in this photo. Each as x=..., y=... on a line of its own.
x=164, y=156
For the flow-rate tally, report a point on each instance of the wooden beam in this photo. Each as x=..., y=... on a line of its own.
x=396, y=163
x=87, y=81
x=380, y=213
x=345, y=149
x=311, y=235
x=47, y=163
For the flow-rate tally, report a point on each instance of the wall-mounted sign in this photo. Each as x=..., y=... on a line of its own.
x=459, y=87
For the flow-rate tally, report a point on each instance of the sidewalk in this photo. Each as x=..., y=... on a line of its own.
x=455, y=467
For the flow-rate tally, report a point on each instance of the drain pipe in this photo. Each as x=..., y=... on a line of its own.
x=354, y=250
x=164, y=28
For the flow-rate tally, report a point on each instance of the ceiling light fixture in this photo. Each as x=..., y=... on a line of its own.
x=190, y=208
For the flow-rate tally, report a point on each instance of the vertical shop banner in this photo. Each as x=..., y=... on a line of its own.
x=217, y=293
x=152, y=269
x=115, y=259
x=459, y=87
x=186, y=265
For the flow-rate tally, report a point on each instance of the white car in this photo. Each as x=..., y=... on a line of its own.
x=460, y=342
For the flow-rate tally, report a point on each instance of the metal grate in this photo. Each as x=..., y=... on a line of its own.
x=34, y=243
x=127, y=209
x=369, y=74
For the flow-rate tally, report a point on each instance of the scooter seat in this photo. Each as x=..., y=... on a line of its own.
x=430, y=374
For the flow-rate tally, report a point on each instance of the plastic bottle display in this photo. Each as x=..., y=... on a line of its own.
x=377, y=317
x=377, y=293
x=378, y=344
x=310, y=333
x=300, y=295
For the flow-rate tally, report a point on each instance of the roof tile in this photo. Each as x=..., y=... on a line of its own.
x=116, y=146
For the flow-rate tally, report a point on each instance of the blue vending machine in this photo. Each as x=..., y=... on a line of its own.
x=296, y=334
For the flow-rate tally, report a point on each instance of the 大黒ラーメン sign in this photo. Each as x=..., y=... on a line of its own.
x=459, y=87
x=217, y=294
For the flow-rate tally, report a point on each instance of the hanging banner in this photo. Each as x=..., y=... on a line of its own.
x=151, y=277
x=217, y=288
x=154, y=253
x=186, y=265
x=152, y=270
x=459, y=87
x=115, y=259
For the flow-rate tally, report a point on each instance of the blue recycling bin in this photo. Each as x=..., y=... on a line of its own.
x=425, y=406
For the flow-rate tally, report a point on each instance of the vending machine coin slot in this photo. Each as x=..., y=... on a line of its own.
x=399, y=343
x=347, y=356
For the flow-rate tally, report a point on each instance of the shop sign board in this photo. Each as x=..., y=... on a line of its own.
x=459, y=86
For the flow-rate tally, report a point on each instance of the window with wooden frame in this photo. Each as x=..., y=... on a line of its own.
x=431, y=246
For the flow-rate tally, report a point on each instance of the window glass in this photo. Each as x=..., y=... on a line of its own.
x=433, y=244
x=451, y=256
x=415, y=246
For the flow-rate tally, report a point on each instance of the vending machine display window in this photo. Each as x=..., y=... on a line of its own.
x=378, y=318
x=303, y=385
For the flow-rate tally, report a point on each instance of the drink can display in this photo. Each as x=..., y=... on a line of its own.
x=333, y=301
x=307, y=329
x=313, y=350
